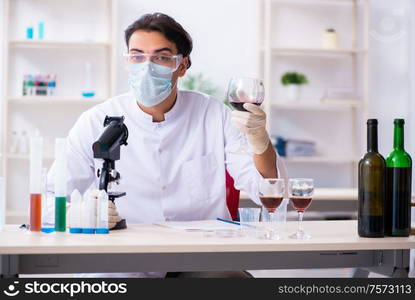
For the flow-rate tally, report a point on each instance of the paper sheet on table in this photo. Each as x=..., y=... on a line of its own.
x=198, y=225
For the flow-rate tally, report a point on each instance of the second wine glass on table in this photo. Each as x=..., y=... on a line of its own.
x=271, y=193
x=300, y=192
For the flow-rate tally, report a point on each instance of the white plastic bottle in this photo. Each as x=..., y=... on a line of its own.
x=89, y=211
x=102, y=213
x=14, y=148
x=75, y=212
x=24, y=143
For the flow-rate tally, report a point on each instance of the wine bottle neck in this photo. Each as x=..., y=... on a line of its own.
x=372, y=138
x=398, y=140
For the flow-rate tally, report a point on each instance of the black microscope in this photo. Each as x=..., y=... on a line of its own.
x=107, y=147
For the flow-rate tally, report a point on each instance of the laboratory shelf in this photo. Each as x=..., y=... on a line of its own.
x=54, y=100
x=56, y=44
x=326, y=105
x=321, y=159
x=313, y=2
x=315, y=51
x=93, y=42
x=17, y=156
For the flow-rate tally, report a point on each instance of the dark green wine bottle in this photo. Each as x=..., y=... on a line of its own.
x=372, y=179
x=399, y=179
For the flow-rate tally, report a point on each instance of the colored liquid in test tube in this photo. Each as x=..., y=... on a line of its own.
x=60, y=185
x=36, y=148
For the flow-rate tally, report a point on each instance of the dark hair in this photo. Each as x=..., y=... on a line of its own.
x=166, y=25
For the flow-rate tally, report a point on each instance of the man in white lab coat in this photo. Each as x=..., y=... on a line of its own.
x=180, y=142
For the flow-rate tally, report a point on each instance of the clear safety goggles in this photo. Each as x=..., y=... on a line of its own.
x=169, y=61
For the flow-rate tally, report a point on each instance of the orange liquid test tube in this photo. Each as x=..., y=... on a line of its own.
x=35, y=212
x=36, y=148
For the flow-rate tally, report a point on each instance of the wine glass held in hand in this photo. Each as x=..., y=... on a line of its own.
x=245, y=90
x=271, y=193
x=300, y=191
x=248, y=118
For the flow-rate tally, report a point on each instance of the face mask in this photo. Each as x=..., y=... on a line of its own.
x=150, y=83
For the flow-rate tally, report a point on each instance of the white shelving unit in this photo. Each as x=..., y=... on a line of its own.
x=315, y=51
x=52, y=100
x=63, y=51
x=276, y=55
x=56, y=44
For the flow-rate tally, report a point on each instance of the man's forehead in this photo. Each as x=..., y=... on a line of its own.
x=150, y=41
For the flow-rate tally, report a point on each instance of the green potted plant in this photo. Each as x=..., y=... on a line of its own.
x=292, y=82
x=198, y=83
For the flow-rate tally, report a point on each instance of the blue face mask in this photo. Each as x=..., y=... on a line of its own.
x=150, y=83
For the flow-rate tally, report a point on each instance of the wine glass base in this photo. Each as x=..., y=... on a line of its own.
x=269, y=235
x=300, y=235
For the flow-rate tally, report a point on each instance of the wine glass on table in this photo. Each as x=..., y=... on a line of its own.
x=271, y=194
x=243, y=90
x=300, y=192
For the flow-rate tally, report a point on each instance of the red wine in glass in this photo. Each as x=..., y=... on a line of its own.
x=245, y=90
x=239, y=105
x=271, y=203
x=300, y=204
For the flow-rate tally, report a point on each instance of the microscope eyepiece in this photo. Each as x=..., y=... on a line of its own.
x=109, y=143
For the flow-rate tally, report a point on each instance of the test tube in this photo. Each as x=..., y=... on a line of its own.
x=29, y=32
x=40, y=30
x=60, y=184
x=88, y=92
x=36, y=146
x=89, y=212
x=75, y=212
x=48, y=207
x=102, y=213
x=2, y=203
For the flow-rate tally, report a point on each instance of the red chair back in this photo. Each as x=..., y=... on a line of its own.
x=232, y=197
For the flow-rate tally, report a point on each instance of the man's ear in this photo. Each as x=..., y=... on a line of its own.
x=183, y=67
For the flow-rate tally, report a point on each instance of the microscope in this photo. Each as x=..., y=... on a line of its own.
x=107, y=147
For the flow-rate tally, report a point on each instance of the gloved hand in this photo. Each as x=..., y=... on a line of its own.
x=252, y=122
x=113, y=216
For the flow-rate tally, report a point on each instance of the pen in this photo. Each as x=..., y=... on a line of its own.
x=235, y=223
x=228, y=221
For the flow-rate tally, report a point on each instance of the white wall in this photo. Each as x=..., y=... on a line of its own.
x=392, y=69
x=224, y=35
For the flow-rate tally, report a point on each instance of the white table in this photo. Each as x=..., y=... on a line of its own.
x=147, y=247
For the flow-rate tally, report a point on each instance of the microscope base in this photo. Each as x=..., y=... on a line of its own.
x=120, y=225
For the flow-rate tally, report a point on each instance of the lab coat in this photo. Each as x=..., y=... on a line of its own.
x=173, y=170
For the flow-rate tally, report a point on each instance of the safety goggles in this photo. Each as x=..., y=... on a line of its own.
x=169, y=61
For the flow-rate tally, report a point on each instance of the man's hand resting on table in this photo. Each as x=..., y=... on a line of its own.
x=113, y=216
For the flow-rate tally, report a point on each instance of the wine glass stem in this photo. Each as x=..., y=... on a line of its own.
x=300, y=221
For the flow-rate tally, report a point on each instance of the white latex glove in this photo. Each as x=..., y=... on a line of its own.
x=113, y=216
x=252, y=122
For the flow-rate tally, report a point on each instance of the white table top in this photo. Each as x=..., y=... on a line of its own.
x=148, y=238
